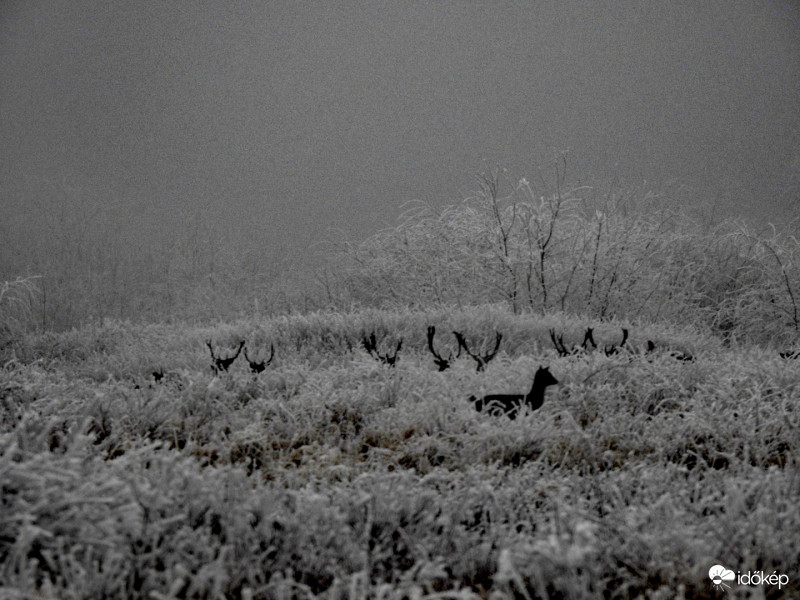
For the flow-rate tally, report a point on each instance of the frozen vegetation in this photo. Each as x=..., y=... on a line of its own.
x=132, y=469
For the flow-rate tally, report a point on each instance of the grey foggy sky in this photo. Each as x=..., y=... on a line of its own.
x=285, y=119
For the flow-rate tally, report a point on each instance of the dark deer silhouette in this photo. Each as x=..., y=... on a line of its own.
x=258, y=367
x=220, y=363
x=481, y=360
x=442, y=363
x=371, y=346
x=614, y=349
x=511, y=405
x=169, y=379
x=158, y=377
x=683, y=356
x=677, y=355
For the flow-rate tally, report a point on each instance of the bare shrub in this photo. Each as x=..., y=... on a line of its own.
x=17, y=302
x=626, y=252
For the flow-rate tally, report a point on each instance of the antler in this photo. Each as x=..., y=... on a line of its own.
x=588, y=339
x=371, y=346
x=481, y=360
x=223, y=364
x=214, y=358
x=258, y=367
x=390, y=360
x=558, y=342
x=616, y=348
x=442, y=363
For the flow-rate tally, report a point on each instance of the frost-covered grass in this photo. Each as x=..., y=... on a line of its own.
x=331, y=475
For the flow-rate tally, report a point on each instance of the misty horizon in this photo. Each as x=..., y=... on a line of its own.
x=284, y=125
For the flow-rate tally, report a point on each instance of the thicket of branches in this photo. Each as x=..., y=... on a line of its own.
x=79, y=270
x=623, y=252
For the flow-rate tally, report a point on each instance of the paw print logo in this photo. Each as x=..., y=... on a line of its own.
x=719, y=575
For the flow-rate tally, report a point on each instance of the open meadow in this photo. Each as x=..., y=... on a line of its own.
x=333, y=475
x=132, y=469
